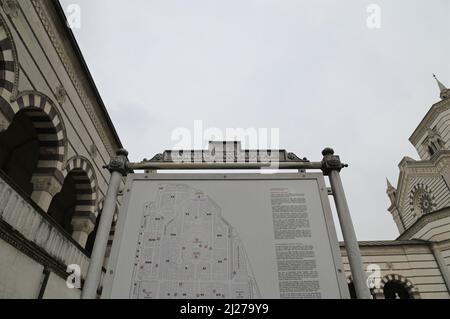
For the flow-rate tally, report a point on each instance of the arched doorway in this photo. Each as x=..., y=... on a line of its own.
x=19, y=150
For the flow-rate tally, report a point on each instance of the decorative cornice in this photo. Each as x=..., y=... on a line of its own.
x=61, y=94
x=11, y=8
x=18, y=241
x=56, y=40
x=232, y=152
x=429, y=118
x=422, y=221
x=426, y=168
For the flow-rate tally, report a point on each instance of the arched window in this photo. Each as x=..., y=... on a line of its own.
x=396, y=290
x=19, y=150
x=32, y=148
x=394, y=286
x=75, y=206
x=433, y=142
x=431, y=150
x=63, y=205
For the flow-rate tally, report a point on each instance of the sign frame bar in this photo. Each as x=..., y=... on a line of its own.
x=330, y=165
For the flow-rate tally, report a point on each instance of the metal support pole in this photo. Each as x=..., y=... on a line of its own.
x=118, y=169
x=331, y=167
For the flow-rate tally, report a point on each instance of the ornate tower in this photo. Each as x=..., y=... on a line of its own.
x=420, y=205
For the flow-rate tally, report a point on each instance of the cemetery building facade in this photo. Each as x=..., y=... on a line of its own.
x=56, y=136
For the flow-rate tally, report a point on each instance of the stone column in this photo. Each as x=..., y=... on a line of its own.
x=82, y=227
x=44, y=188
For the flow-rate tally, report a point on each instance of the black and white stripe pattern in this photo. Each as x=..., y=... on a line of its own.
x=113, y=226
x=50, y=130
x=86, y=188
x=9, y=72
x=378, y=292
x=41, y=110
x=412, y=291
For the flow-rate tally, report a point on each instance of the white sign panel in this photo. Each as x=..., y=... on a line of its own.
x=225, y=236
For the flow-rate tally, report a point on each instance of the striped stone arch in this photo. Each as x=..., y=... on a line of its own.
x=9, y=69
x=84, y=174
x=50, y=131
x=86, y=186
x=412, y=291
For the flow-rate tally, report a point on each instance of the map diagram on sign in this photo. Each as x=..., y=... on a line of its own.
x=186, y=249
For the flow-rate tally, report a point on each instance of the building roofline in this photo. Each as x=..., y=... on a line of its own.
x=390, y=242
x=429, y=116
x=424, y=219
x=61, y=14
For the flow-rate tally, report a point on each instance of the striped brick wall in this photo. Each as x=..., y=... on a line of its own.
x=413, y=265
x=8, y=67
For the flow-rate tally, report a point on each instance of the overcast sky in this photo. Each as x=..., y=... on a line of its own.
x=312, y=68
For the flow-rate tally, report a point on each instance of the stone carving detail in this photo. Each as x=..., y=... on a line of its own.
x=93, y=151
x=119, y=163
x=331, y=162
x=11, y=8
x=83, y=225
x=227, y=152
x=61, y=94
x=295, y=158
x=434, y=142
x=421, y=200
x=156, y=158
x=100, y=126
x=47, y=184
